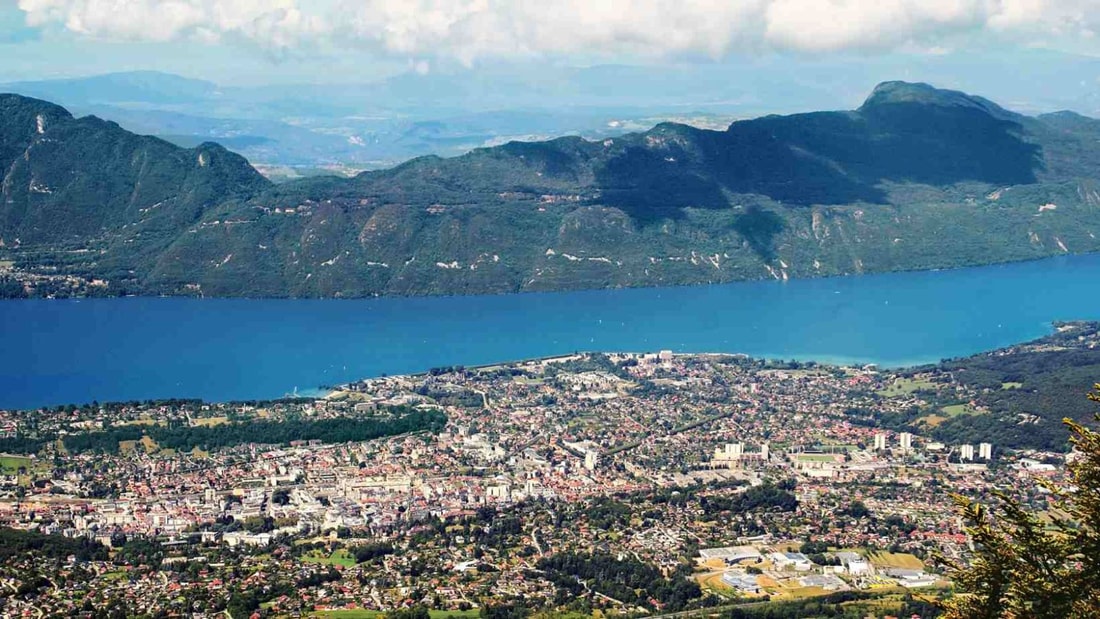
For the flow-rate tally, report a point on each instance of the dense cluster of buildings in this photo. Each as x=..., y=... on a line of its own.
x=562, y=434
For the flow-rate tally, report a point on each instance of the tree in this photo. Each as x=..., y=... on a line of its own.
x=857, y=510
x=1026, y=568
x=416, y=612
x=281, y=497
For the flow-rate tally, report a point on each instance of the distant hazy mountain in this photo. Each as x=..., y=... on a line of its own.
x=361, y=126
x=138, y=87
x=914, y=178
x=452, y=110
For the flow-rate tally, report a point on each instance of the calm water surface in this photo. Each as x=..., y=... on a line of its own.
x=73, y=351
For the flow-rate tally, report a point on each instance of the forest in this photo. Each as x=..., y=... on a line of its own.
x=1015, y=397
x=401, y=420
x=1051, y=388
x=790, y=194
x=16, y=542
x=623, y=578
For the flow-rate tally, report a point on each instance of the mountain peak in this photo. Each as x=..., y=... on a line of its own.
x=899, y=92
x=22, y=119
x=12, y=103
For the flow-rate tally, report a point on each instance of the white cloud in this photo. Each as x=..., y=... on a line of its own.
x=470, y=29
x=272, y=23
x=826, y=26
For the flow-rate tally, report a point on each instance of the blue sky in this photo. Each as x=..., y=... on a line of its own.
x=266, y=41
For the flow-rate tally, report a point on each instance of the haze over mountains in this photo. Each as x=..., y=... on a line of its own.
x=914, y=178
x=368, y=125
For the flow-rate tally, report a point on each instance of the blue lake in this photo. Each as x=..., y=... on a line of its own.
x=74, y=351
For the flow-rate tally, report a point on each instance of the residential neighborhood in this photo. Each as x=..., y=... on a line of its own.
x=733, y=478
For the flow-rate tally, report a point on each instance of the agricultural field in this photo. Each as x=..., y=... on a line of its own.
x=895, y=559
x=209, y=422
x=798, y=592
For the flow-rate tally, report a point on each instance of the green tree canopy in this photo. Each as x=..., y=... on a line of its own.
x=1026, y=567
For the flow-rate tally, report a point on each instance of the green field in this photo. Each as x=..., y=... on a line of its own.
x=959, y=409
x=906, y=386
x=10, y=464
x=838, y=447
x=1011, y=385
x=948, y=412
x=339, y=557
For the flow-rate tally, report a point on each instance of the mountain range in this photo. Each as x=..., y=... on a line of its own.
x=291, y=130
x=915, y=178
x=349, y=122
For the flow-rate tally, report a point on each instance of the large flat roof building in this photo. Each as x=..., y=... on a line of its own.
x=731, y=554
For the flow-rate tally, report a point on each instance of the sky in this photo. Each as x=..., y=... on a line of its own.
x=273, y=41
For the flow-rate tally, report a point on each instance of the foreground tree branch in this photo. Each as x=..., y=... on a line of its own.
x=1027, y=567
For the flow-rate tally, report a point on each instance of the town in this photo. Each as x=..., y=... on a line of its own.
x=552, y=485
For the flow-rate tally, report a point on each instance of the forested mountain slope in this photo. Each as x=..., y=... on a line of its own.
x=915, y=178
x=1015, y=397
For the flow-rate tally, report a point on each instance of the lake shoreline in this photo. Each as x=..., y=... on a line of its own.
x=763, y=279
x=139, y=348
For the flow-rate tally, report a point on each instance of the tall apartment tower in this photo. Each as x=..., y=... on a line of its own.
x=966, y=452
x=985, y=451
x=591, y=460
x=905, y=439
x=880, y=442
